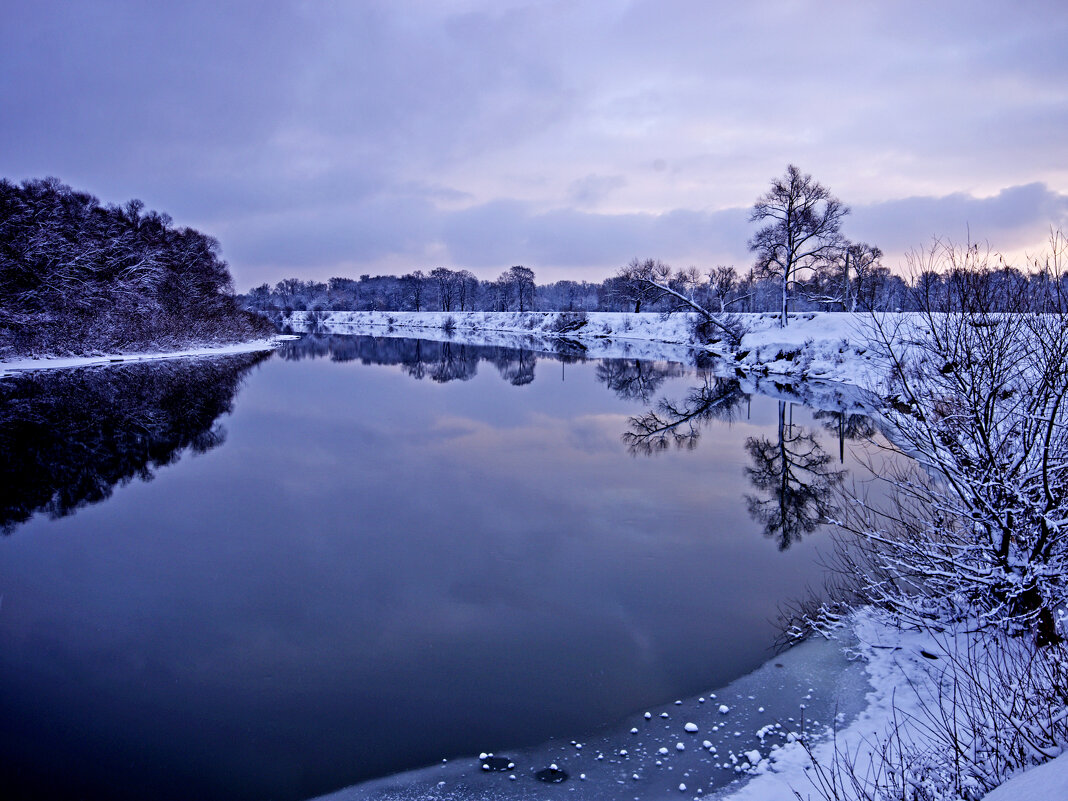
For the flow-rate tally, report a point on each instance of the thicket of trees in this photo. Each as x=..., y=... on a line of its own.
x=77, y=276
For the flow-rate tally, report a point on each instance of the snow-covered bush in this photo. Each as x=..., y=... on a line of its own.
x=972, y=544
x=984, y=708
x=979, y=524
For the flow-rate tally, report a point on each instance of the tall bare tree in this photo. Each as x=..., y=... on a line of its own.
x=802, y=222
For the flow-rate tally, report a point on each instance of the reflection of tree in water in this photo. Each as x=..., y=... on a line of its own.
x=846, y=426
x=633, y=379
x=69, y=436
x=449, y=362
x=515, y=366
x=420, y=358
x=792, y=473
x=680, y=423
x=794, y=476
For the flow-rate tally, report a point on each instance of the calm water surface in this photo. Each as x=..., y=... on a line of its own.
x=256, y=578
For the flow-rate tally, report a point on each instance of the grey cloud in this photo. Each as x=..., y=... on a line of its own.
x=1015, y=217
x=572, y=243
x=591, y=189
x=310, y=135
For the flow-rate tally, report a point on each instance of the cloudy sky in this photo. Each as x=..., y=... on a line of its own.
x=338, y=138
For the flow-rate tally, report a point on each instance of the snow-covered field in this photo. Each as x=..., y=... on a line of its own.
x=22, y=365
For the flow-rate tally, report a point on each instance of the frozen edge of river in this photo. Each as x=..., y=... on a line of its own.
x=706, y=744
x=66, y=362
x=841, y=693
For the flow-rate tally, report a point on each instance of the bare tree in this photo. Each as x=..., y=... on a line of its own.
x=653, y=282
x=515, y=289
x=414, y=284
x=803, y=220
x=444, y=280
x=722, y=281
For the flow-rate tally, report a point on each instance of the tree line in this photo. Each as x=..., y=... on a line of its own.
x=802, y=262
x=77, y=276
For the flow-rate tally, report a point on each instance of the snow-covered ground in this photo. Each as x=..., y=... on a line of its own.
x=22, y=365
x=1049, y=781
x=829, y=346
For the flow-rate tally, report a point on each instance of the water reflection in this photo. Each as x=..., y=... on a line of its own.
x=792, y=474
x=846, y=426
x=69, y=436
x=439, y=361
x=680, y=423
x=795, y=481
x=634, y=379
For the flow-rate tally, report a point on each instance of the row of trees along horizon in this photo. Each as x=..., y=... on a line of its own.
x=802, y=262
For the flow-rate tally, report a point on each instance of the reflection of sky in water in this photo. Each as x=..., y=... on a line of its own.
x=376, y=572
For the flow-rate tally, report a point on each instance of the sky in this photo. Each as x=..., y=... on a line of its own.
x=316, y=139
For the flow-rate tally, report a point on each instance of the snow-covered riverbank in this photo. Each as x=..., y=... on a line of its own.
x=23, y=365
x=828, y=346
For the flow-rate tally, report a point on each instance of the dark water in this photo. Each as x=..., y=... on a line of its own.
x=268, y=578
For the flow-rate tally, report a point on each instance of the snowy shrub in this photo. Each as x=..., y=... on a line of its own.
x=973, y=536
x=985, y=709
x=569, y=322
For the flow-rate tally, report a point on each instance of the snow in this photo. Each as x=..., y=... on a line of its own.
x=899, y=677
x=22, y=365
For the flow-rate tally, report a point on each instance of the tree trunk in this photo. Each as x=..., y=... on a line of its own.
x=785, y=284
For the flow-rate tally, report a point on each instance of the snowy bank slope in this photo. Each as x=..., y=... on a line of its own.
x=1049, y=781
x=831, y=346
x=21, y=365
